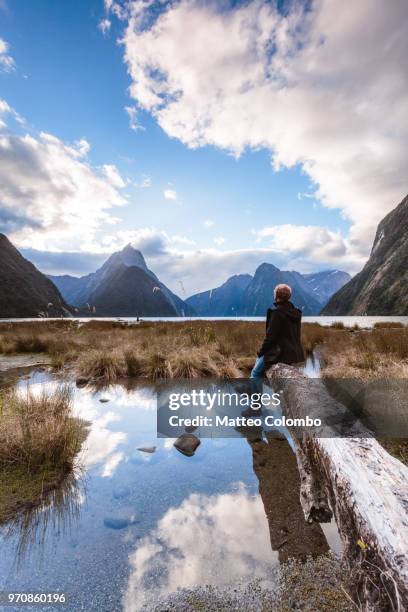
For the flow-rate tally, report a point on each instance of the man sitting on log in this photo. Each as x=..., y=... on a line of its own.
x=282, y=340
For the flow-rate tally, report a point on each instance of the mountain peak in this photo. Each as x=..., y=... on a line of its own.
x=266, y=267
x=132, y=257
x=381, y=287
x=128, y=256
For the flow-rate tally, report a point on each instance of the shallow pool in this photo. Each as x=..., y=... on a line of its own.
x=136, y=525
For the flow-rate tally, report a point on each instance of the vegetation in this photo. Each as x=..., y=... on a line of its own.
x=107, y=351
x=39, y=440
x=104, y=351
x=381, y=352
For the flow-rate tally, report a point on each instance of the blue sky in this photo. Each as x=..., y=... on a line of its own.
x=200, y=198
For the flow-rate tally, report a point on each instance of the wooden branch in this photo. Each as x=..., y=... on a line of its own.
x=366, y=488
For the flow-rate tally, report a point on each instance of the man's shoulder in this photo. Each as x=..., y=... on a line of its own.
x=273, y=313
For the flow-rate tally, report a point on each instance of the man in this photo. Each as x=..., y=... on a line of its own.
x=282, y=340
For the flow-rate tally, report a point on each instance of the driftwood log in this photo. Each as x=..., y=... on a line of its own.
x=365, y=488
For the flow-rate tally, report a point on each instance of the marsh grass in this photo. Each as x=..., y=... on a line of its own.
x=39, y=440
x=106, y=351
x=156, y=366
x=388, y=325
x=38, y=430
x=381, y=352
x=98, y=364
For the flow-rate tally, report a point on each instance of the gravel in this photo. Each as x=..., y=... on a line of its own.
x=315, y=585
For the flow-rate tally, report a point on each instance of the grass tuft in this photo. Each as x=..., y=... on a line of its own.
x=38, y=431
x=39, y=441
x=99, y=365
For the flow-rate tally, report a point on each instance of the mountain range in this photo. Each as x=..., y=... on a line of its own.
x=24, y=290
x=123, y=286
x=381, y=288
x=246, y=295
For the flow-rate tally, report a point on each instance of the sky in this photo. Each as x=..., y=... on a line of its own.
x=213, y=136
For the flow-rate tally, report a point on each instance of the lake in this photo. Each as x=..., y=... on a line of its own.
x=136, y=525
x=347, y=321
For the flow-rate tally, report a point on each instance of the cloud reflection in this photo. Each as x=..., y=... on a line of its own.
x=213, y=540
x=102, y=444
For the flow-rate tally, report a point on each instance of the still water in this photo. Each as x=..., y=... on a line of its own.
x=365, y=322
x=135, y=526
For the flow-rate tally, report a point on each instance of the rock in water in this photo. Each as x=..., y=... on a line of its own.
x=125, y=517
x=187, y=444
x=116, y=522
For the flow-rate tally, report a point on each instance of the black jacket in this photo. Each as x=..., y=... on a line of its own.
x=282, y=340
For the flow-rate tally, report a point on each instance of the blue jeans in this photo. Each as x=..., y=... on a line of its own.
x=257, y=373
x=258, y=370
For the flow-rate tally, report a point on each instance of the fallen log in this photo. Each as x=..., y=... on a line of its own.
x=364, y=486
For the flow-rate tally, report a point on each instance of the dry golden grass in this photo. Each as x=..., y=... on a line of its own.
x=39, y=440
x=381, y=352
x=106, y=351
x=98, y=364
x=38, y=431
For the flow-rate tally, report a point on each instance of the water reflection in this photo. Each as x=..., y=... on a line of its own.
x=56, y=515
x=155, y=522
x=312, y=367
x=223, y=539
x=213, y=540
x=279, y=486
x=101, y=447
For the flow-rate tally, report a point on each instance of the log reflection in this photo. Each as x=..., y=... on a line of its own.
x=275, y=466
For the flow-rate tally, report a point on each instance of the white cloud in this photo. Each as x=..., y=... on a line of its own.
x=308, y=196
x=312, y=241
x=170, y=194
x=150, y=241
x=187, y=269
x=115, y=8
x=51, y=197
x=209, y=223
x=113, y=176
x=83, y=147
x=176, y=239
x=6, y=109
x=133, y=118
x=323, y=87
x=104, y=25
x=178, y=262
x=7, y=63
x=219, y=240
x=145, y=183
